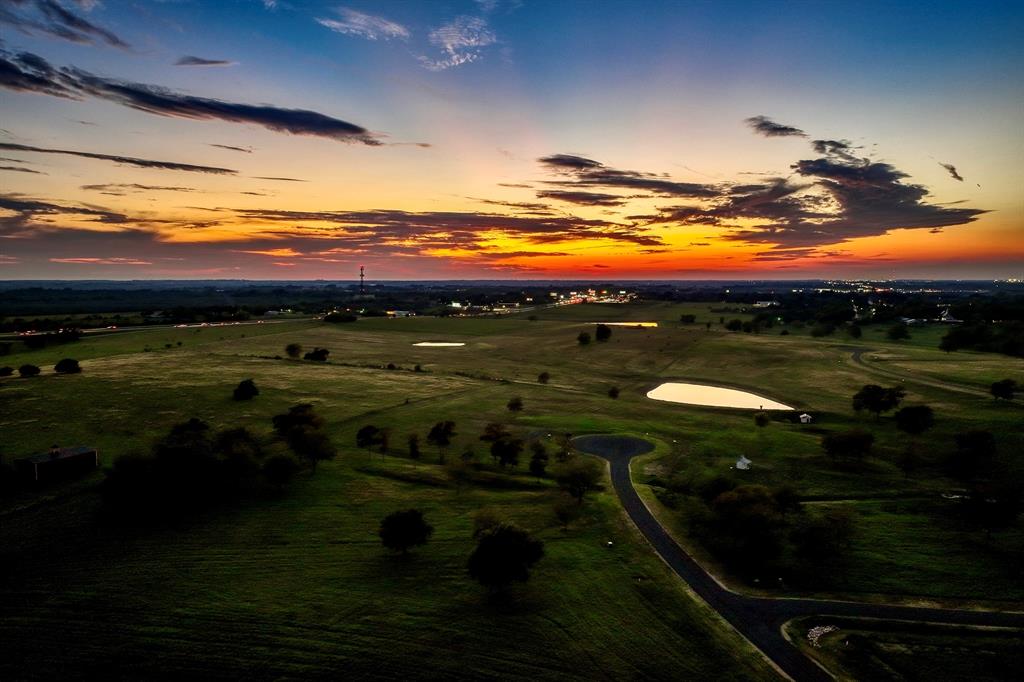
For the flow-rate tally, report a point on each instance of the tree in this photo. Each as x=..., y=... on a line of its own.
x=246, y=390
x=613, y=392
x=279, y=470
x=493, y=432
x=566, y=510
x=1004, y=389
x=974, y=454
x=67, y=366
x=312, y=445
x=6, y=371
x=301, y=415
x=503, y=555
x=538, y=458
x=688, y=319
x=367, y=437
x=339, y=317
x=579, y=476
x=440, y=436
x=566, y=450
x=898, y=332
x=914, y=419
x=317, y=355
x=543, y=377
x=515, y=405
x=853, y=444
x=824, y=537
x=876, y=399
x=401, y=530
x=28, y=371
x=506, y=451
x=293, y=350
x=583, y=339
x=414, y=446
x=603, y=332
x=734, y=325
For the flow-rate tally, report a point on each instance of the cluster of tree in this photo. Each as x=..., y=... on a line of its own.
x=874, y=398
x=193, y=467
x=37, y=341
x=1004, y=337
x=370, y=437
x=687, y=318
x=317, y=354
x=602, y=333
x=995, y=487
x=758, y=530
x=302, y=429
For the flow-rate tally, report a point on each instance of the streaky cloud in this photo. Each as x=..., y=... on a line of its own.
x=50, y=18
x=354, y=23
x=769, y=128
x=123, y=160
x=951, y=169
x=190, y=60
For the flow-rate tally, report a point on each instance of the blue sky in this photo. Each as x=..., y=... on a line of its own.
x=460, y=103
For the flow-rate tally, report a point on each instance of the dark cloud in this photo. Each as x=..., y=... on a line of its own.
x=523, y=206
x=48, y=17
x=263, y=177
x=27, y=211
x=582, y=198
x=951, y=169
x=516, y=185
x=583, y=172
x=189, y=60
x=124, y=160
x=769, y=128
x=27, y=72
x=19, y=169
x=136, y=187
x=244, y=150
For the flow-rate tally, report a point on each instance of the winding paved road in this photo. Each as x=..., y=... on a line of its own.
x=759, y=619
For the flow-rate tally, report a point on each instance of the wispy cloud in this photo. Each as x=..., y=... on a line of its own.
x=190, y=60
x=123, y=160
x=581, y=172
x=461, y=41
x=28, y=72
x=50, y=18
x=353, y=23
x=951, y=169
x=19, y=169
x=232, y=148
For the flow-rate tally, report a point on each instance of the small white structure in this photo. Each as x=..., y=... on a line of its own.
x=743, y=463
x=806, y=418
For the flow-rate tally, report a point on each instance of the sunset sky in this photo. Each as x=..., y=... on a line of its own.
x=497, y=139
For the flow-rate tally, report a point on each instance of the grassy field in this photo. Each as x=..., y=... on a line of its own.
x=871, y=650
x=296, y=586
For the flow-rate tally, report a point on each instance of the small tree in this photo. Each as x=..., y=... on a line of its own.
x=367, y=437
x=67, y=366
x=853, y=444
x=761, y=420
x=6, y=371
x=613, y=392
x=583, y=339
x=279, y=470
x=246, y=390
x=317, y=355
x=440, y=436
x=914, y=419
x=401, y=530
x=503, y=555
x=302, y=415
x=543, y=377
x=1004, y=389
x=414, y=446
x=603, y=332
x=515, y=405
x=28, y=371
x=293, y=350
x=538, y=458
x=579, y=476
x=312, y=445
x=876, y=399
x=898, y=332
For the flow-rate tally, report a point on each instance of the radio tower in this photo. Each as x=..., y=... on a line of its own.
x=362, y=278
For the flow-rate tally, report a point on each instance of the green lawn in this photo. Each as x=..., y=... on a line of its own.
x=295, y=586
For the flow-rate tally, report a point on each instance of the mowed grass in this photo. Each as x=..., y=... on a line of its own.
x=299, y=586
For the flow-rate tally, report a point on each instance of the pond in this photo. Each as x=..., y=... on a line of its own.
x=439, y=344
x=713, y=396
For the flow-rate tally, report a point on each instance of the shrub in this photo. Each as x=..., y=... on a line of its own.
x=67, y=366
x=246, y=390
x=853, y=444
x=603, y=332
x=543, y=377
x=317, y=354
x=583, y=339
x=28, y=371
x=339, y=318
x=613, y=392
x=898, y=332
x=734, y=325
x=1004, y=389
x=293, y=350
x=6, y=371
x=515, y=404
